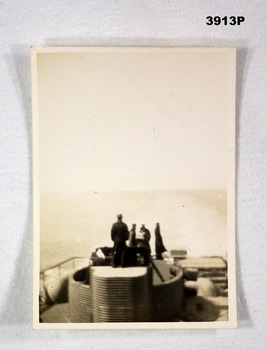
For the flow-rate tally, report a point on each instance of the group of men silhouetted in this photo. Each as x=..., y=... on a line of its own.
x=138, y=250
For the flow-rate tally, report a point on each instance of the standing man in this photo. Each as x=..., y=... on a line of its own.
x=147, y=237
x=142, y=239
x=119, y=235
x=132, y=238
x=129, y=255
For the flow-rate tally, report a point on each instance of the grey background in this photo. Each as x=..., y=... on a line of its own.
x=127, y=23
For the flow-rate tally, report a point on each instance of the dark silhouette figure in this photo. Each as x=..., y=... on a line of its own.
x=142, y=240
x=119, y=235
x=132, y=238
x=159, y=246
x=129, y=255
x=147, y=237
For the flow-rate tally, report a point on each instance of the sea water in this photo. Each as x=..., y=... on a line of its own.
x=72, y=224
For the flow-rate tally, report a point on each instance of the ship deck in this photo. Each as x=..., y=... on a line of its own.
x=196, y=309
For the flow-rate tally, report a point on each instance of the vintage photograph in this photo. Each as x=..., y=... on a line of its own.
x=134, y=187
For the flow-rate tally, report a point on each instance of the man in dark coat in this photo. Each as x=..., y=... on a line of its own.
x=119, y=235
x=159, y=246
x=147, y=237
x=129, y=255
x=142, y=239
x=132, y=239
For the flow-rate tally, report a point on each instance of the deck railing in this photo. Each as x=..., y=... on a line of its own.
x=59, y=265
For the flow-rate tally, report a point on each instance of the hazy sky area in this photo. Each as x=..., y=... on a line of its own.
x=138, y=133
x=133, y=121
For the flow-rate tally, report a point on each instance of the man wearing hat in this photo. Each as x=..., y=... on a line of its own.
x=142, y=239
x=132, y=238
x=119, y=235
x=144, y=235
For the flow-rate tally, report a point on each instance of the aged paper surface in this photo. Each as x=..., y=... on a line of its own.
x=148, y=133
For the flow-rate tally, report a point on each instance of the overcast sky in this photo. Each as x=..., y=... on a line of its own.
x=133, y=121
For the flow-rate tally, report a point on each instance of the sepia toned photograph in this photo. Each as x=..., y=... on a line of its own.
x=134, y=187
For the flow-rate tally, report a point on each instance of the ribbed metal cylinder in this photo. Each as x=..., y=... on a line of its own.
x=121, y=295
x=125, y=294
x=80, y=299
